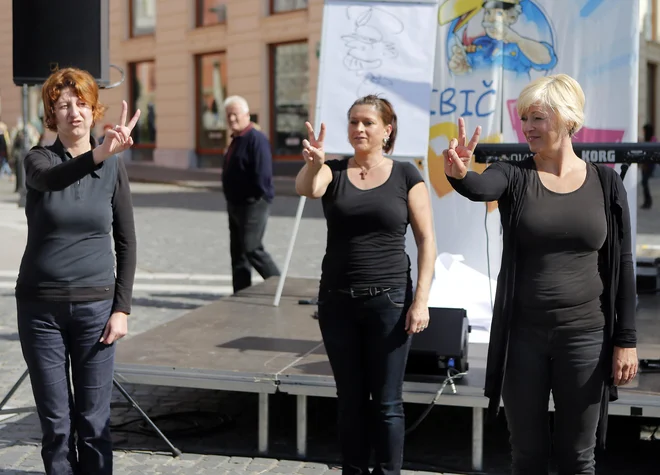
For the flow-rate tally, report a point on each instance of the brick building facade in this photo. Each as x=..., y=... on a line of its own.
x=181, y=58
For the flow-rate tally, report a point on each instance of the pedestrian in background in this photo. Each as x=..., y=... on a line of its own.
x=5, y=151
x=247, y=182
x=647, y=168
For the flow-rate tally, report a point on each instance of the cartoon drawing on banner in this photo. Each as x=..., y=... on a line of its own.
x=514, y=35
x=486, y=52
x=370, y=44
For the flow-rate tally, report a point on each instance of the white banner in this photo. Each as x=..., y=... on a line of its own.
x=487, y=51
x=377, y=47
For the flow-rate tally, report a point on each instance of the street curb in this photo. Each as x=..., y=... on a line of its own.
x=283, y=186
x=180, y=183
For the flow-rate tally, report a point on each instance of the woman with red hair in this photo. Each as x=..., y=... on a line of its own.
x=71, y=305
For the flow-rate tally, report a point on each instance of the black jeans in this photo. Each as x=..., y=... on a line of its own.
x=54, y=336
x=367, y=346
x=567, y=362
x=247, y=226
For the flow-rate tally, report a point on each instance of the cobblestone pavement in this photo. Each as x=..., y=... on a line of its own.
x=184, y=263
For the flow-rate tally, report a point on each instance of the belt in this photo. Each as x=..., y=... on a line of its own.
x=364, y=291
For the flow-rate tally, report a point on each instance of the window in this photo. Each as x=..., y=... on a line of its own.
x=143, y=97
x=290, y=97
x=211, y=80
x=211, y=12
x=279, y=6
x=143, y=17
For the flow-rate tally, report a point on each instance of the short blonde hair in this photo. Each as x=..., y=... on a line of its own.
x=559, y=92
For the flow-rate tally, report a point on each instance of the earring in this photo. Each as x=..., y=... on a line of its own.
x=385, y=140
x=571, y=129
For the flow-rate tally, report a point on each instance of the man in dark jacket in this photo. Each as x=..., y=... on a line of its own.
x=247, y=181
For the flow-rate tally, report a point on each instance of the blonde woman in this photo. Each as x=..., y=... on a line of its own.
x=564, y=317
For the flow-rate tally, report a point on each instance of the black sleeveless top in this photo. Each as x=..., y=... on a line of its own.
x=366, y=229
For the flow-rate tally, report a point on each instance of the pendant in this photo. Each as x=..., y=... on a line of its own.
x=363, y=174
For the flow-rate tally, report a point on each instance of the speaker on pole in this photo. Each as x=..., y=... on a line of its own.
x=55, y=34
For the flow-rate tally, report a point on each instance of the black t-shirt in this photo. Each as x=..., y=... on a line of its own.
x=366, y=229
x=560, y=235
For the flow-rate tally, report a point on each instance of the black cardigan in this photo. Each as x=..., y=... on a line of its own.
x=506, y=182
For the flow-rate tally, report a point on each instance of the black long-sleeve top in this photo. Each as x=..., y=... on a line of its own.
x=74, y=210
x=507, y=183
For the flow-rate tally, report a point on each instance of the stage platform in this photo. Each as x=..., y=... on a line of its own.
x=244, y=343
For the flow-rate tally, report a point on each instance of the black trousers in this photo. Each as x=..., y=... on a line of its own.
x=367, y=345
x=567, y=362
x=247, y=226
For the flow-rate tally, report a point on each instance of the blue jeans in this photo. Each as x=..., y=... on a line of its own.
x=367, y=346
x=568, y=362
x=54, y=336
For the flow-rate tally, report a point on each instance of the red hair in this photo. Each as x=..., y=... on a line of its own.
x=81, y=82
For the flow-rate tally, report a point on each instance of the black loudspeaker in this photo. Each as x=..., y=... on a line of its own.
x=443, y=345
x=54, y=34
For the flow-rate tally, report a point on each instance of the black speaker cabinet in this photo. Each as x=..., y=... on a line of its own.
x=443, y=344
x=55, y=34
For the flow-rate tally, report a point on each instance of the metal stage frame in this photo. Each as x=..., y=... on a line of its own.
x=243, y=343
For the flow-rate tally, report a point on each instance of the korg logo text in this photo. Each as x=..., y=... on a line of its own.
x=598, y=156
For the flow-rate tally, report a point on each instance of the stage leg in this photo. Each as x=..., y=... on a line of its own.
x=176, y=452
x=263, y=423
x=301, y=423
x=477, y=438
x=14, y=389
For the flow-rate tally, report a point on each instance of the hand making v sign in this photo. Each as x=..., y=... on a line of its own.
x=118, y=138
x=459, y=154
x=313, y=147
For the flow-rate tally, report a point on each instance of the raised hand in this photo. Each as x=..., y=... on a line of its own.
x=313, y=147
x=118, y=139
x=458, y=155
